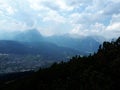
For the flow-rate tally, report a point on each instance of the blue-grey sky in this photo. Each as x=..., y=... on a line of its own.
x=81, y=17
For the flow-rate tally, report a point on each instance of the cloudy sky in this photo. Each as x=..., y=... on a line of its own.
x=81, y=17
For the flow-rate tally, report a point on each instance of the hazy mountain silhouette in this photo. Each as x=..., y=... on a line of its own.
x=21, y=56
x=32, y=45
x=86, y=45
x=47, y=50
x=100, y=71
x=32, y=35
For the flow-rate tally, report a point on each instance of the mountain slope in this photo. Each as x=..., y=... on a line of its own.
x=12, y=47
x=21, y=56
x=47, y=50
x=32, y=35
x=86, y=45
x=100, y=71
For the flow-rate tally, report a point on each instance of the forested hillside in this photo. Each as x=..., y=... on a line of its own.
x=100, y=71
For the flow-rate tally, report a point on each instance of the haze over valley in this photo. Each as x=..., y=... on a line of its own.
x=59, y=44
x=29, y=48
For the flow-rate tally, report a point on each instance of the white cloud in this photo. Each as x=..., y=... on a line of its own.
x=115, y=18
x=53, y=16
x=13, y=25
x=114, y=26
x=112, y=8
x=85, y=17
x=95, y=29
x=114, y=23
x=63, y=5
x=115, y=1
x=46, y=31
x=10, y=10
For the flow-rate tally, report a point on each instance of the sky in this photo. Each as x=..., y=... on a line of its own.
x=54, y=17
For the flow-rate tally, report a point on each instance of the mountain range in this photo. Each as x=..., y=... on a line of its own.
x=26, y=46
x=85, y=45
x=100, y=71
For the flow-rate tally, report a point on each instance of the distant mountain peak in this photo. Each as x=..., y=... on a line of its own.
x=32, y=35
x=32, y=31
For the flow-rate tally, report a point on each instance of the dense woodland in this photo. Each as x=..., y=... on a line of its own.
x=100, y=71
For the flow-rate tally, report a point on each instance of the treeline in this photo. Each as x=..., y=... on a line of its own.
x=100, y=71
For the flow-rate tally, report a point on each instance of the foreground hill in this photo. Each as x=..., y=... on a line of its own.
x=100, y=71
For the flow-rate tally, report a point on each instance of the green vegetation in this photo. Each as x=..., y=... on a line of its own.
x=100, y=71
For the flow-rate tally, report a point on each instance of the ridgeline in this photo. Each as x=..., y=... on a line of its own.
x=100, y=71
